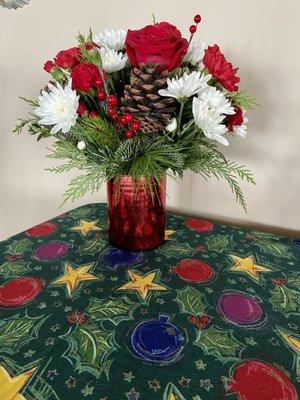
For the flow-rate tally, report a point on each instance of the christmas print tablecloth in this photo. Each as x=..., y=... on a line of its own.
x=211, y=314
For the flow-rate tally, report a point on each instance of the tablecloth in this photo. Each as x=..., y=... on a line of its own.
x=212, y=314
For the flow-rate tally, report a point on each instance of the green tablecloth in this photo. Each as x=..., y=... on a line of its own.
x=212, y=314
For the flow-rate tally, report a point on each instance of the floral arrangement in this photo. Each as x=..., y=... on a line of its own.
x=143, y=103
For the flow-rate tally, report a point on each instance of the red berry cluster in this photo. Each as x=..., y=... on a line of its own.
x=193, y=28
x=279, y=281
x=78, y=317
x=12, y=258
x=126, y=121
x=200, y=322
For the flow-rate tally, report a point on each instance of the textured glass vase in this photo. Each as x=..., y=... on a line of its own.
x=136, y=213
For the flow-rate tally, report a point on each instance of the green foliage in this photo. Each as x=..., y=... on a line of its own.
x=243, y=100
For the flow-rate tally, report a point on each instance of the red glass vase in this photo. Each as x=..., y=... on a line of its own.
x=136, y=210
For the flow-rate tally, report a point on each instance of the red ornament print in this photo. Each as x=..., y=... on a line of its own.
x=199, y=225
x=41, y=230
x=194, y=271
x=20, y=291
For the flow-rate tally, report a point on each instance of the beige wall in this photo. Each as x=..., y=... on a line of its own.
x=261, y=36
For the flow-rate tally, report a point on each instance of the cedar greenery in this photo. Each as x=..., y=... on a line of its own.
x=109, y=155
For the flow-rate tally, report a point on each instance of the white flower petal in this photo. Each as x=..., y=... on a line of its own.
x=112, y=61
x=111, y=39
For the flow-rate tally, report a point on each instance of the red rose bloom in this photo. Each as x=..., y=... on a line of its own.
x=67, y=58
x=160, y=44
x=48, y=66
x=85, y=76
x=220, y=68
x=235, y=119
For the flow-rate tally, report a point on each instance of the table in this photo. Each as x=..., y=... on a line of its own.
x=211, y=314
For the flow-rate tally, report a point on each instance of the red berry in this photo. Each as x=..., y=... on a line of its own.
x=114, y=117
x=128, y=118
x=123, y=120
x=129, y=134
x=136, y=126
x=193, y=319
x=72, y=319
x=82, y=108
x=101, y=95
x=79, y=312
x=99, y=82
x=205, y=318
x=197, y=19
x=111, y=111
x=112, y=101
x=93, y=114
x=83, y=320
x=201, y=324
x=193, y=29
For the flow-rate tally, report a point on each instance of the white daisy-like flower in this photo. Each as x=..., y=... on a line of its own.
x=241, y=130
x=58, y=107
x=195, y=53
x=185, y=86
x=112, y=61
x=209, y=121
x=111, y=39
x=216, y=100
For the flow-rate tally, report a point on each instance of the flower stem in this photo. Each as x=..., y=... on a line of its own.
x=180, y=115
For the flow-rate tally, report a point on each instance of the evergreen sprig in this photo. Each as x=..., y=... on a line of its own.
x=242, y=100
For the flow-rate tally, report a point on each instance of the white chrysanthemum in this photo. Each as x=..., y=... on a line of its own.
x=241, y=130
x=216, y=100
x=195, y=53
x=81, y=145
x=172, y=126
x=209, y=121
x=58, y=107
x=111, y=39
x=112, y=61
x=185, y=86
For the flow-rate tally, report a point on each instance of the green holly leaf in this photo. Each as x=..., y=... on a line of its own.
x=92, y=246
x=18, y=246
x=190, y=301
x=218, y=243
x=115, y=310
x=274, y=248
x=89, y=347
x=15, y=268
x=218, y=343
x=285, y=300
x=265, y=235
x=177, y=249
x=14, y=333
x=294, y=281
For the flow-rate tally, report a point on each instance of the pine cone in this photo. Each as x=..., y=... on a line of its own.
x=142, y=100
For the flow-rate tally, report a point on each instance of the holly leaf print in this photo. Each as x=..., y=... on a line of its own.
x=294, y=281
x=218, y=243
x=177, y=249
x=18, y=247
x=16, y=332
x=14, y=268
x=274, y=248
x=115, y=310
x=190, y=301
x=285, y=300
x=92, y=246
x=89, y=346
x=293, y=344
x=218, y=343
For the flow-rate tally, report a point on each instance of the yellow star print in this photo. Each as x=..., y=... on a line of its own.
x=293, y=342
x=169, y=233
x=143, y=284
x=86, y=227
x=248, y=266
x=10, y=387
x=172, y=397
x=73, y=276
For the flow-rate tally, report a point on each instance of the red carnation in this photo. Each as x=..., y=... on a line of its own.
x=220, y=68
x=85, y=76
x=235, y=119
x=67, y=58
x=48, y=66
x=160, y=44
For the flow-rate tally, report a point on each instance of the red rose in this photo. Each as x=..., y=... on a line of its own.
x=220, y=68
x=160, y=44
x=67, y=58
x=85, y=76
x=48, y=66
x=235, y=119
x=82, y=108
